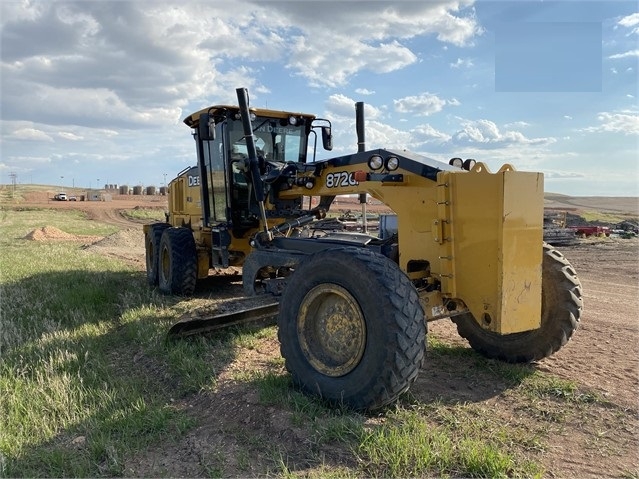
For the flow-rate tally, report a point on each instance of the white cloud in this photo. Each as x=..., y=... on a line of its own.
x=422, y=105
x=465, y=63
x=427, y=134
x=628, y=54
x=339, y=105
x=485, y=134
x=555, y=174
x=517, y=124
x=630, y=21
x=385, y=136
x=567, y=117
x=364, y=91
x=25, y=164
x=626, y=122
x=69, y=136
x=143, y=62
x=30, y=160
x=31, y=134
x=316, y=63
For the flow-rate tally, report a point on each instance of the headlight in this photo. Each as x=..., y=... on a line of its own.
x=292, y=120
x=392, y=163
x=457, y=162
x=375, y=162
x=469, y=164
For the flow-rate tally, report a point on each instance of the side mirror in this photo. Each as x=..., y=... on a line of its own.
x=327, y=138
x=206, y=127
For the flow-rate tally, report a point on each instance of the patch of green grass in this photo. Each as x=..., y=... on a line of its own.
x=603, y=217
x=16, y=224
x=437, y=347
x=151, y=214
x=69, y=320
x=344, y=428
x=408, y=445
x=323, y=471
x=434, y=439
x=89, y=380
x=513, y=374
x=544, y=386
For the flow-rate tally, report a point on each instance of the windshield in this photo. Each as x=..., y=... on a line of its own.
x=272, y=140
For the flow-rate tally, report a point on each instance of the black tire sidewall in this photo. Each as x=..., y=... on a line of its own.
x=152, y=243
x=560, y=315
x=372, y=292
x=179, y=245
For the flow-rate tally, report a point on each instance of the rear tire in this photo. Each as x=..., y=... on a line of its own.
x=177, y=262
x=351, y=328
x=152, y=247
x=561, y=306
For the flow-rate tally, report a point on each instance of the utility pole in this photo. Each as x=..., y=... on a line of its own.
x=14, y=178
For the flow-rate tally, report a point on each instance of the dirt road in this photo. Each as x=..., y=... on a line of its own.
x=105, y=211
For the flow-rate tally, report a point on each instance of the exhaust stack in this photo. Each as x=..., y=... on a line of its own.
x=359, y=126
x=361, y=147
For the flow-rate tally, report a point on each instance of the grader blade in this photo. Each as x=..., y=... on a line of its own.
x=200, y=323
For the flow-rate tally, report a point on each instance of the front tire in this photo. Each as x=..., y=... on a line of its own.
x=177, y=262
x=351, y=328
x=561, y=306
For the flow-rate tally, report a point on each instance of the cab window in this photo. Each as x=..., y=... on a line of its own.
x=216, y=168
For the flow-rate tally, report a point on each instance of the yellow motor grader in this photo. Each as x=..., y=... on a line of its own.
x=352, y=308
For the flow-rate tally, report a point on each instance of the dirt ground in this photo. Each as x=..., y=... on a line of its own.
x=602, y=357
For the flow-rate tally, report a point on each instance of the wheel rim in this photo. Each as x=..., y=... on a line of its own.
x=331, y=330
x=165, y=263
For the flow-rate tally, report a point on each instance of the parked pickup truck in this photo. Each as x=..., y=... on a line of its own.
x=60, y=197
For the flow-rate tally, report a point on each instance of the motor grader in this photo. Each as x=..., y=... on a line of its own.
x=352, y=308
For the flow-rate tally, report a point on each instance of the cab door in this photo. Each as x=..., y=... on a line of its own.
x=215, y=197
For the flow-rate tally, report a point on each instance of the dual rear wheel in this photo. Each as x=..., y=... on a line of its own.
x=171, y=259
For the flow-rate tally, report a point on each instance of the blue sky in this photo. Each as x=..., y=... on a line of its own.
x=94, y=92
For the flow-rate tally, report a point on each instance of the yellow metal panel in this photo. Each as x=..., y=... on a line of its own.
x=203, y=260
x=493, y=245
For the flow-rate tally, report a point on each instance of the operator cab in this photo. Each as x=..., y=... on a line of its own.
x=281, y=138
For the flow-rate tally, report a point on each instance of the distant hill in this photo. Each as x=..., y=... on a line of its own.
x=627, y=205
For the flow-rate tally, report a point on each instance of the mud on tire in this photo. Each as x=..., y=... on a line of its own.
x=561, y=306
x=351, y=328
x=177, y=262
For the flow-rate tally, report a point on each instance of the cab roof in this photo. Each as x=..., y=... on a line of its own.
x=193, y=119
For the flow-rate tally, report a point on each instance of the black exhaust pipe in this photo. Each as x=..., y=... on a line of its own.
x=361, y=147
x=359, y=126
